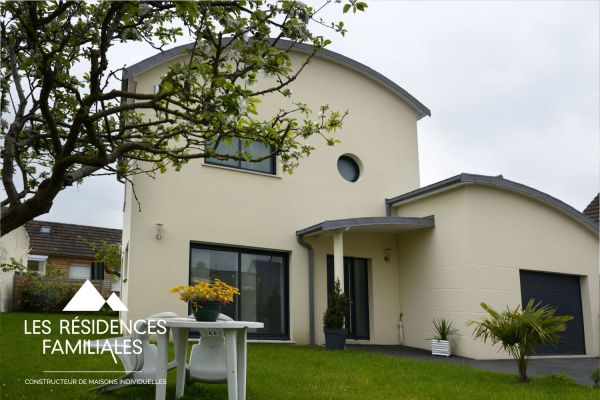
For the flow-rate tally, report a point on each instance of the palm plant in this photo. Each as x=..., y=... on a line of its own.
x=443, y=329
x=521, y=331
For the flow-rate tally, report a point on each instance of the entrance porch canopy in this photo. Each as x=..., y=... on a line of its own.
x=369, y=224
x=337, y=228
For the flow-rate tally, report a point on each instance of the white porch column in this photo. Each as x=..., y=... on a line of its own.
x=338, y=257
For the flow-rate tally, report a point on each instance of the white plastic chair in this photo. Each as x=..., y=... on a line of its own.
x=137, y=366
x=207, y=359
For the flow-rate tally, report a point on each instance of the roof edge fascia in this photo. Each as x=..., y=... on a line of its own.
x=496, y=182
x=168, y=55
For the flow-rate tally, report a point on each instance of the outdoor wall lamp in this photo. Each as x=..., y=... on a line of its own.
x=158, y=234
x=387, y=255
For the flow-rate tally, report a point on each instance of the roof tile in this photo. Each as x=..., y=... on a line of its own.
x=592, y=210
x=68, y=240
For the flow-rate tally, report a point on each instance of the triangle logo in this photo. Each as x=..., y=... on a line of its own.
x=115, y=303
x=88, y=298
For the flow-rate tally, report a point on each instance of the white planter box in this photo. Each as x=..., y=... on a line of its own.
x=441, y=348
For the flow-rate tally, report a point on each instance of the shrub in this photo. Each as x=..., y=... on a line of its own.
x=520, y=332
x=337, y=308
x=595, y=376
x=45, y=295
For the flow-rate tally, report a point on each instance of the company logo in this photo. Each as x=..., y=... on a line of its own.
x=88, y=298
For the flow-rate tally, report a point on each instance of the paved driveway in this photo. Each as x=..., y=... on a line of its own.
x=578, y=368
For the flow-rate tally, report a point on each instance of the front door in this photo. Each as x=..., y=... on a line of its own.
x=356, y=285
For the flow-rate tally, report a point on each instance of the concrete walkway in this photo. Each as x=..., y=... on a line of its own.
x=579, y=369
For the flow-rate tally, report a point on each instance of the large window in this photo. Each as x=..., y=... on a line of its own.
x=255, y=149
x=262, y=278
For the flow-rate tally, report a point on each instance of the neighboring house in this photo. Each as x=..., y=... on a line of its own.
x=356, y=212
x=592, y=210
x=66, y=247
x=13, y=245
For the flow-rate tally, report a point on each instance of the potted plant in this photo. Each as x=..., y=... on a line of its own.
x=335, y=317
x=206, y=298
x=440, y=343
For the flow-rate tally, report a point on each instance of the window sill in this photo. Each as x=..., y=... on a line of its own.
x=242, y=170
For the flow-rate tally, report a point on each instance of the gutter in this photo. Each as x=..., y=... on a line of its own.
x=311, y=288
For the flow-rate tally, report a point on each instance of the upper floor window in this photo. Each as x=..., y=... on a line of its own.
x=255, y=149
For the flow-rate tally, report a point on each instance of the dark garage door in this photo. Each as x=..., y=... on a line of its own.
x=564, y=293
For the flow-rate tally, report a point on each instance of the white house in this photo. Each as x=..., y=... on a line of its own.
x=356, y=211
x=13, y=245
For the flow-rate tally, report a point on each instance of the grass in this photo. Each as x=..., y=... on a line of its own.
x=275, y=372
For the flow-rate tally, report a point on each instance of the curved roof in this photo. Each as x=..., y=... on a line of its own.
x=329, y=55
x=501, y=183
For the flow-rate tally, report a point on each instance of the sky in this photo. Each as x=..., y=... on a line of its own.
x=513, y=87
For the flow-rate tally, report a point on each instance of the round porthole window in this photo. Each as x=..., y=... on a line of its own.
x=348, y=168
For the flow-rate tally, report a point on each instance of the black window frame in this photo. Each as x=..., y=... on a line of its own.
x=239, y=300
x=223, y=163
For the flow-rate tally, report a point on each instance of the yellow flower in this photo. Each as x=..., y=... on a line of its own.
x=203, y=291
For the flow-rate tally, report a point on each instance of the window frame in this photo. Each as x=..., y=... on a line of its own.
x=238, y=166
x=261, y=252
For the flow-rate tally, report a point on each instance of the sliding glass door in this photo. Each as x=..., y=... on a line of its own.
x=262, y=278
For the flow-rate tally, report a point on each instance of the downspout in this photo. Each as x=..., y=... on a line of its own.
x=311, y=288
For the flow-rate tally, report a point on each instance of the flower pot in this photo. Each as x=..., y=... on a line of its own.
x=209, y=311
x=335, y=338
x=441, y=348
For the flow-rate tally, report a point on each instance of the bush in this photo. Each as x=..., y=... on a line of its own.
x=45, y=295
x=596, y=376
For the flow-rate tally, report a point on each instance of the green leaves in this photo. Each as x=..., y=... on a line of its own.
x=337, y=308
x=107, y=253
x=71, y=127
x=520, y=332
x=443, y=329
x=355, y=5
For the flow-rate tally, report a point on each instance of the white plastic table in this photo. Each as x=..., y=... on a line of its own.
x=235, y=333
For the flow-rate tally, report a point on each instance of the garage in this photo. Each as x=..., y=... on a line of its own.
x=564, y=293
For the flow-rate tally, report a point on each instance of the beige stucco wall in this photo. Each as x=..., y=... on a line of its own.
x=12, y=245
x=483, y=236
x=202, y=203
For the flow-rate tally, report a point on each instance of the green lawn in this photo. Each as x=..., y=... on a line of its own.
x=276, y=372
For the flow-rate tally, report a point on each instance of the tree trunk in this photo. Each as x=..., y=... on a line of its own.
x=523, y=378
x=17, y=215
